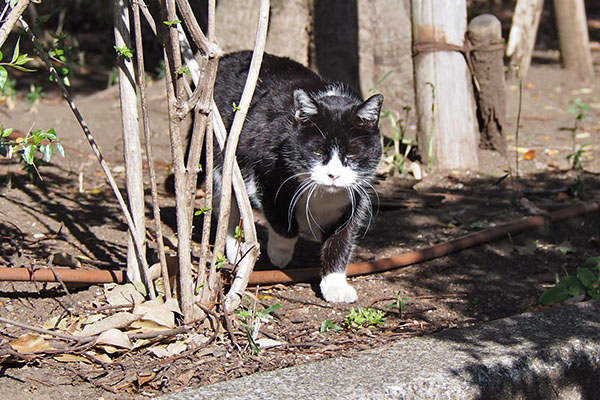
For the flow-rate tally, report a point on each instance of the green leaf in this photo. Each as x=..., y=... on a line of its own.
x=48, y=151
x=28, y=153
x=556, y=295
x=3, y=76
x=16, y=51
x=1, y=55
x=60, y=149
x=269, y=310
x=572, y=285
x=171, y=23
x=6, y=132
x=327, y=325
x=201, y=211
x=587, y=277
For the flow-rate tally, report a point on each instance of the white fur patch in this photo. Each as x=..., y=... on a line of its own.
x=336, y=289
x=280, y=249
x=333, y=174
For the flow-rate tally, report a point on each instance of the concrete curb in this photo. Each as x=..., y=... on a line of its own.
x=550, y=354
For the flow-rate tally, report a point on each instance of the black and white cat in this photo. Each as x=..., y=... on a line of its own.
x=308, y=152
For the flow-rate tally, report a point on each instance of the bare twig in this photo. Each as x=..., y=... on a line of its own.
x=243, y=272
x=81, y=340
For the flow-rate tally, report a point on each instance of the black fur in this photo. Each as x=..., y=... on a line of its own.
x=296, y=121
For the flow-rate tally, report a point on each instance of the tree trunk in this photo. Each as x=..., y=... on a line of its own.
x=573, y=37
x=385, y=61
x=290, y=25
x=446, y=135
x=131, y=137
x=523, y=31
x=485, y=33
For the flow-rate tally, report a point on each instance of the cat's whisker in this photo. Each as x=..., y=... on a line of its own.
x=304, y=186
x=309, y=214
x=299, y=174
x=352, y=197
x=319, y=129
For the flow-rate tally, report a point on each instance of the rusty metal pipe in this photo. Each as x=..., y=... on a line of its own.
x=271, y=277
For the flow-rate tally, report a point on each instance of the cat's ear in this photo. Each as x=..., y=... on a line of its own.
x=367, y=114
x=305, y=106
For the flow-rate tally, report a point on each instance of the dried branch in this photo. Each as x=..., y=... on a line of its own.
x=81, y=340
x=244, y=270
x=12, y=18
x=137, y=240
x=131, y=147
x=140, y=77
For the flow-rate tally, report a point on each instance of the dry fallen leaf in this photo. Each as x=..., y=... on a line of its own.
x=122, y=295
x=155, y=311
x=30, y=343
x=116, y=338
x=118, y=320
x=529, y=155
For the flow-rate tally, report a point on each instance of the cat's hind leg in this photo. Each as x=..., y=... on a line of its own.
x=280, y=248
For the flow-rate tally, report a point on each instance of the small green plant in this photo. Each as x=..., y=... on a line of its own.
x=364, y=318
x=201, y=211
x=8, y=93
x=34, y=97
x=238, y=234
x=398, y=157
x=113, y=77
x=17, y=62
x=579, y=109
x=172, y=23
x=221, y=260
x=63, y=54
x=585, y=284
x=235, y=107
x=400, y=303
x=327, y=325
x=44, y=142
x=430, y=135
x=252, y=319
x=185, y=70
x=124, y=52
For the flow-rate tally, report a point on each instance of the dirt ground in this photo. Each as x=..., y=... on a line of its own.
x=74, y=212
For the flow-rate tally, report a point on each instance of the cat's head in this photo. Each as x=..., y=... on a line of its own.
x=338, y=136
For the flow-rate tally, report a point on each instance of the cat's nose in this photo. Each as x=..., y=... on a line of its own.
x=333, y=177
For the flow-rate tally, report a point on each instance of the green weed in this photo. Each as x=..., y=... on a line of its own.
x=364, y=318
x=585, y=285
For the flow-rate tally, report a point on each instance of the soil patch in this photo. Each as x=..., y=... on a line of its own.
x=73, y=212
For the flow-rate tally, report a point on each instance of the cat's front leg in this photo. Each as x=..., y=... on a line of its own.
x=335, y=252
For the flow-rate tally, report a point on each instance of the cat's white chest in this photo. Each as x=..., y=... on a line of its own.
x=320, y=210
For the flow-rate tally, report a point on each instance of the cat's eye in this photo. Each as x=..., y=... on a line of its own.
x=318, y=153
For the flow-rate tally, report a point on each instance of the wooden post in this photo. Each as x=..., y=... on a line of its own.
x=485, y=33
x=573, y=37
x=446, y=135
x=523, y=32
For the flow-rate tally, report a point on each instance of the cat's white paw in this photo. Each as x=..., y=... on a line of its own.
x=336, y=289
x=280, y=249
